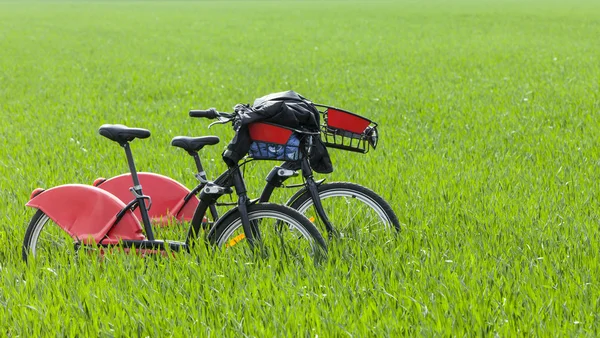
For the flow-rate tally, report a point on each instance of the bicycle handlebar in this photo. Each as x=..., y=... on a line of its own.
x=211, y=113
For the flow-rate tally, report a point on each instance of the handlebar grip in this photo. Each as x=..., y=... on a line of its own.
x=211, y=113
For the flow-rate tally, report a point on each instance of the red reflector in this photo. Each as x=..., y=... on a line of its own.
x=98, y=181
x=36, y=192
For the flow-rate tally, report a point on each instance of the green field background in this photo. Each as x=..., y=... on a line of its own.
x=489, y=155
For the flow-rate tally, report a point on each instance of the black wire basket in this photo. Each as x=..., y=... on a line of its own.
x=344, y=130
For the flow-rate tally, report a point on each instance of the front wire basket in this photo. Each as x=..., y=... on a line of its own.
x=344, y=130
x=345, y=140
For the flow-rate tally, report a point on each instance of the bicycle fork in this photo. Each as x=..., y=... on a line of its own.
x=209, y=194
x=250, y=228
x=279, y=175
x=313, y=189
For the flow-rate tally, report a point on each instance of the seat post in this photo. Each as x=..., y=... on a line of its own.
x=136, y=181
x=201, y=172
x=137, y=191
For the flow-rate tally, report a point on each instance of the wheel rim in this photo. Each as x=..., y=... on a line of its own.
x=282, y=236
x=49, y=242
x=351, y=213
x=41, y=223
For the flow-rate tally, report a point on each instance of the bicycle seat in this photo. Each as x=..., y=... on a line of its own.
x=122, y=134
x=194, y=144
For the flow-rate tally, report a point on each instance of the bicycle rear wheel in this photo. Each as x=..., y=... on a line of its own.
x=46, y=242
x=354, y=211
x=285, y=234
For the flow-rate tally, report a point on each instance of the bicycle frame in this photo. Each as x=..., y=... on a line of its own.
x=278, y=175
x=233, y=176
x=210, y=192
x=209, y=195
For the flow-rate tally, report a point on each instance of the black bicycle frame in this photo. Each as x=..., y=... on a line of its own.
x=210, y=192
x=278, y=175
x=209, y=195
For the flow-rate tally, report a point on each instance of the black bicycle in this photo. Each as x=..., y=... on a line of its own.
x=344, y=209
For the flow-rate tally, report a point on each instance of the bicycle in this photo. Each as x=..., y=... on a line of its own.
x=89, y=217
x=318, y=200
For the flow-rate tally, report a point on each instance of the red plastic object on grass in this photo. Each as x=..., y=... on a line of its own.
x=87, y=213
x=168, y=196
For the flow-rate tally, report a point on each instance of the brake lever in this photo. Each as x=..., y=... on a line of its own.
x=220, y=121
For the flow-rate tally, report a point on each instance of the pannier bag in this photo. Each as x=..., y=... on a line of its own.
x=270, y=142
x=285, y=109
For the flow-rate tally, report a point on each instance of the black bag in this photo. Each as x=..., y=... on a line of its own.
x=288, y=109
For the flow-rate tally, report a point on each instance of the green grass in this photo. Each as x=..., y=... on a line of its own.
x=489, y=156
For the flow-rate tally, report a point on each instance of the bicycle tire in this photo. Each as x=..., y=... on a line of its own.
x=304, y=237
x=346, y=191
x=46, y=241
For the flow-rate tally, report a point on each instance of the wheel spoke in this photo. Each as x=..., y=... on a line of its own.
x=283, y=237
x=46, y=242
x=353, y=210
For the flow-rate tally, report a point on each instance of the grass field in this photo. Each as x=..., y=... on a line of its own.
x=489, y=155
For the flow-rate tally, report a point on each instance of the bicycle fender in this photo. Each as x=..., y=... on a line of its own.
x=301, y=192
x=167, y=195
x=296, y=195
x=87, y=213
x=222, y=217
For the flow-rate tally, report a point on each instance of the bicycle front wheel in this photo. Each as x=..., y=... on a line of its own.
x=285, y=234
x=353, y=210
